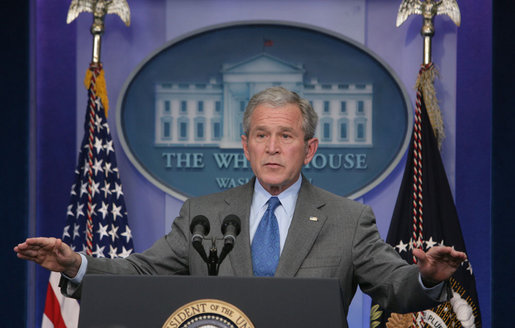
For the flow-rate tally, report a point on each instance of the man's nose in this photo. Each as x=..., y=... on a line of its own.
x=273, y=144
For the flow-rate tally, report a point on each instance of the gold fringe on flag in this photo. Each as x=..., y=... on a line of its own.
x=425, y=83
x=100, y=87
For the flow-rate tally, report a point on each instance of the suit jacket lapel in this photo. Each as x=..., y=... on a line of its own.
x=238, y=203
x=305, y=226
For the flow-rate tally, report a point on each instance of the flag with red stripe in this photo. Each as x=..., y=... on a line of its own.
x=96, y=222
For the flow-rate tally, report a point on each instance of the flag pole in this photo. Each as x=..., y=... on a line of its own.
x=425, y=214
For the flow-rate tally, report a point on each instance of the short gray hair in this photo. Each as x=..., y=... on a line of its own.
x=279, y=96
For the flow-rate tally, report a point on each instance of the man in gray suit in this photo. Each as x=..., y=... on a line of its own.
x=308, y=232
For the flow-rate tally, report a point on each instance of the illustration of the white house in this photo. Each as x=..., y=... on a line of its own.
x=210, y=113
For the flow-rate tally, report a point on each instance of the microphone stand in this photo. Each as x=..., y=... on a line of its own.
x=212, y=260
x=200, y=227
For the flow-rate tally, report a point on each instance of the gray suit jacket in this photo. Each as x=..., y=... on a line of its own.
x=342, y=243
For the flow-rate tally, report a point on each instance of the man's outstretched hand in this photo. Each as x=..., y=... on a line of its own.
x=51, y=254
x=438, y=264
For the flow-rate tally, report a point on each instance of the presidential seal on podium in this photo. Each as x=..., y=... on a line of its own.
x=208, y=313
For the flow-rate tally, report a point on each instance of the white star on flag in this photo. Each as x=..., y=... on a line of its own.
x=430, y=243
x=116, y=211
x=113, y=232
x=65, y=232
x=401, y=246
x=98, y=145
x=76, y=230
x=127, y=234
x=105, y=189
x=97, y=167
x=118, y=190
x=109, y=147
x=104, y=209
x=107, y=168
x=102, y=231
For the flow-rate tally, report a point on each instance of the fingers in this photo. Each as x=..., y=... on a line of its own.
x=35, y=243
x=440, y=256
x=41, y=241
x=25, y=253
x=34, y=249
x=58, y=247
x=456, y=258
x=461, y=256
x=51, y=253
x=419, y=254
x=447, y=254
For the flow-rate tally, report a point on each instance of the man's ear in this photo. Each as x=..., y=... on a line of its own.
x=311, y=149
x=244, y=143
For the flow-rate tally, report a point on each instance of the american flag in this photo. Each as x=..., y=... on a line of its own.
x=96, y=222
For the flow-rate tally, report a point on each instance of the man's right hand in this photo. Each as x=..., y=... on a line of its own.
x=51, y=254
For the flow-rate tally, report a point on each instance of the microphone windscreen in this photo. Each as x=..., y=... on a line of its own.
x=231, y=220
x=200, y=221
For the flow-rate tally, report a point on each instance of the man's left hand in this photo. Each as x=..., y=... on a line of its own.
x=438, y=264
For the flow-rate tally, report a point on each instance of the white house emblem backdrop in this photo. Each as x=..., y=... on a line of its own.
x=180, y=112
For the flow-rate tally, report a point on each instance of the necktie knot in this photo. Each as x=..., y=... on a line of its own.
x=273, y=202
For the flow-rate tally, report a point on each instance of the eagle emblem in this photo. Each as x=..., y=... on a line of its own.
x=428, y=9
x=100, y=8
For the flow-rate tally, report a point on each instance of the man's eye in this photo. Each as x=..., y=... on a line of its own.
x=286, y=136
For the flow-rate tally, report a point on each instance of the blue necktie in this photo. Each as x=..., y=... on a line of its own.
x=266, y=243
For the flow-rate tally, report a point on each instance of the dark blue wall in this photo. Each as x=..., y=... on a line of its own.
x=56, y=154
x=473, y=142
x=48, y=151
x=503, y=157
x=14, y=134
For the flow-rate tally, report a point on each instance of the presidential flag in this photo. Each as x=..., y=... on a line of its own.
x=425, y=216
x=96, y=222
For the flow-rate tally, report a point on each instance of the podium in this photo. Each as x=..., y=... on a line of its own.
x=149, y=301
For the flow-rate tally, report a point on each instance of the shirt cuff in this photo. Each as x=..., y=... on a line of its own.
x=433, y=292
x=80, y=274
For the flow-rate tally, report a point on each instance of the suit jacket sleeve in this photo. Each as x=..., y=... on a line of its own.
x=383, y=274
x=168, y=255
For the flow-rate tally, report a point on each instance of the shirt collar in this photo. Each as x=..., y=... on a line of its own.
x=288, y=197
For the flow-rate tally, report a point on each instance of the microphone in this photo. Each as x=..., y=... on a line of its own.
x=199, y=228
x=231, y=227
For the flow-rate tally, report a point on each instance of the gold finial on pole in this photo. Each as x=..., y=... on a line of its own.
x=94, y=79
x=99, y=8
x=428, y=9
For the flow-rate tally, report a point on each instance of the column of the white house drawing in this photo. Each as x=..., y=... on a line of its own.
x=187, y=113
x=231, y=124
x=216, y=122
x=345, y=113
